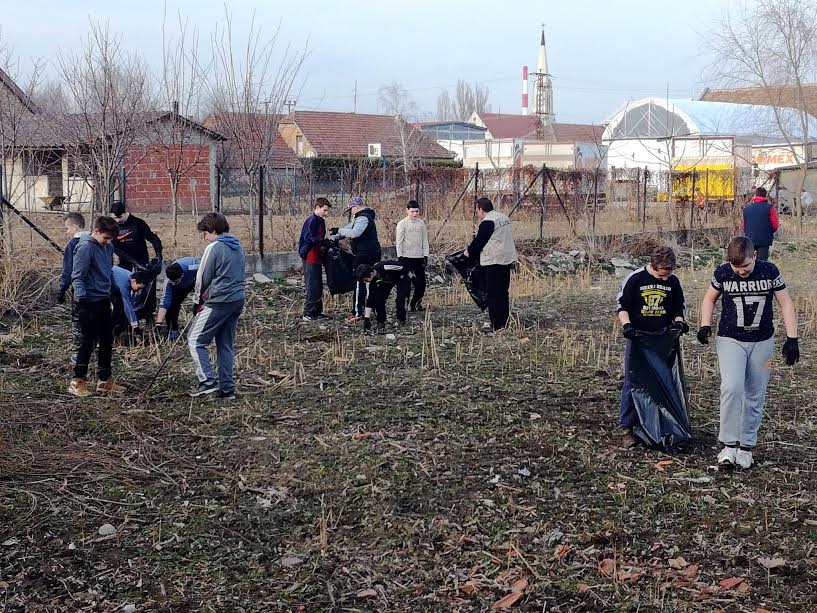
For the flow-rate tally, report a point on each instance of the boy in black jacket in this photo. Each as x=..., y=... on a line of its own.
x=131, y=249
x=381, y=278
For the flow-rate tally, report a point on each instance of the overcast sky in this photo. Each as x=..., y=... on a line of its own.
x=600, y=53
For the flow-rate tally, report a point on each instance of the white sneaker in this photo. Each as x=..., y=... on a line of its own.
x=744, y=459
x=727, y=456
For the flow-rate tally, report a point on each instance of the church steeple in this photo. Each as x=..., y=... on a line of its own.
x=543, y=89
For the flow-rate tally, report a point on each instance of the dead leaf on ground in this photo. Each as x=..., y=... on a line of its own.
x=678, y=563
x=691, y=570
x=744, y=588
x=520, y=585
x=770, y=563
x=469, y=587
x=629, y=577
x=583, y=587
x=731, y=582
x=607, y=567
x=369, y=593
x=661, y=464
x=507, y=601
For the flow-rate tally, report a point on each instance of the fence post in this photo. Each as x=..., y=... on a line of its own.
x=261, y=212
x=543, y=205
x=2, y=212
x=692, y=203
x=644, y=201
x=595, y=198
x=123, y=179
x=476, y=193
x=218, y=189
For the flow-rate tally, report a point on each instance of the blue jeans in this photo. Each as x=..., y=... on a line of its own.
x=215, y=321
x=745, y=371
x=628, y=417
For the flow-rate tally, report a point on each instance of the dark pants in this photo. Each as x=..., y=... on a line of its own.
x=313, y=289
x=419, y=281
x=95, y=325
x=627, y=414
x=119, y=320
x=76, y=329
x=380, y=294
x=177, y=298
x=497, y=284
x=359, y=297
x=762, y=252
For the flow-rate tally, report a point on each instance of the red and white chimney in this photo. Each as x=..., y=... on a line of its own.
x=524, y=90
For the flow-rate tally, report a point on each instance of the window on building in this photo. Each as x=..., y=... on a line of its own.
x=299, y=145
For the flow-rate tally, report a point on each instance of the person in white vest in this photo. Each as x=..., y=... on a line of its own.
x=494, y=246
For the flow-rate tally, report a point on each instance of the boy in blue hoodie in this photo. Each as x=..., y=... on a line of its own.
x=91, y=280
x=313, y=234
x=125, y=284
x=180, y=281
x=218, y=299
x=74, y=224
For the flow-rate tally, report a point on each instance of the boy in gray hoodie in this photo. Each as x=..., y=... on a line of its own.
x=91, y=280
x=218, y=299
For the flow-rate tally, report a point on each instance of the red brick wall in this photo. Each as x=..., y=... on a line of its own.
x=148, y=182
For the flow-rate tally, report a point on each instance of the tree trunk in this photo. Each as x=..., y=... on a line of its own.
x=174, y=206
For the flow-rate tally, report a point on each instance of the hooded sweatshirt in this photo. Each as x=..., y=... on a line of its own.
x=131, y=244
x=189, y=266
x=91, y=273
x=68, y=260
x=220, y=277
x=121, y=281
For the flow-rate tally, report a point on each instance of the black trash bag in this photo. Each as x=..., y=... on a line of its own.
x=340, y=273
x=472, y=275
x=141, y=300
x=657, y=383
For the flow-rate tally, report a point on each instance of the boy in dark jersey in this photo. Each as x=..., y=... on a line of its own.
x=745, y=343
x=381, y=278
x=650, y=300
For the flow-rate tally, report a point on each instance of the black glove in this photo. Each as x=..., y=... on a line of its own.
x=61, y=297
x=628, y=331
x=367, y=323
x=791, y=351
x=681, y=327
x=704, y=332
x=334, y=230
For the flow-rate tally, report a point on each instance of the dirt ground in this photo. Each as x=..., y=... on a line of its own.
x=439, y=470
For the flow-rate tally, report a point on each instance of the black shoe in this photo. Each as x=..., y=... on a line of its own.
x=226, y=395
x=202, y=389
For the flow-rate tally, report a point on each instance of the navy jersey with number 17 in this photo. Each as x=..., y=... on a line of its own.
x=746, y=302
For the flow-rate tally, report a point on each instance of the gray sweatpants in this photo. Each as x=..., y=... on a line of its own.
x=745, y=371
x=216, y=321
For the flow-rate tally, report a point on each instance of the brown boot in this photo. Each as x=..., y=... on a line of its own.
x=79, y=387
x=109, y=387
x=628, y=440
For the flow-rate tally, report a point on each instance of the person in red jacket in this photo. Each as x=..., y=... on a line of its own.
x=760, y=222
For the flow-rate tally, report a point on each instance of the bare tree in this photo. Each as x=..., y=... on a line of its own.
x=772, y=44
x=469, y=98
x=108, y=93
x=247, y=87
x=19, y=127
x=395, y=100
x=180, y=146
x=445, y=108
